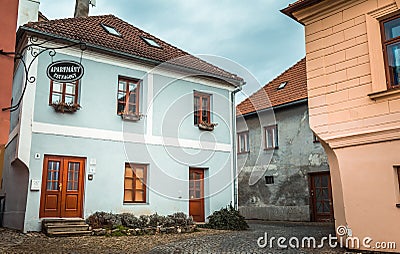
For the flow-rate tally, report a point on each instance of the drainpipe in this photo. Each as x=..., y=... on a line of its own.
x=234, y=156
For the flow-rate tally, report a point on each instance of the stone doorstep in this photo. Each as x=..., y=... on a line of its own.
x=56, y=222
x=71, y=233
x=68, y=228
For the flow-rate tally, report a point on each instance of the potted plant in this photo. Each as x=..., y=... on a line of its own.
x=205, y=126
x=65, y=107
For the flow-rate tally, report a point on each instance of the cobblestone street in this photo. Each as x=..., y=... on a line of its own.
x=246, y=241
x=204, y=241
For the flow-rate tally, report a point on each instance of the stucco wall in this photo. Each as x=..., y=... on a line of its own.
x=8, y=24
x=353, y=113
x=165, y=139
x=167, y=177
x=288, y=197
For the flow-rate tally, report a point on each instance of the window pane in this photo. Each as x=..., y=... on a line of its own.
x=128, y=196
x=69, y=99
x=128, y=171
x=121, y=107
x=139, y=172
x=269, y=137
x=132, y=109
x=393, y=52
x=121, y=96
x=139, y=184
x=139, y=196
x=56, y=98
x=132, y=87
x=122, y=85
x=128, y=183
x=392, y=29
x=196, y=110
x=132, y=97
x=70, y=88
x=57, y=87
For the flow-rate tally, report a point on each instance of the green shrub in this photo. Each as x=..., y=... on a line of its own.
x=227, y=219
x=130, y=221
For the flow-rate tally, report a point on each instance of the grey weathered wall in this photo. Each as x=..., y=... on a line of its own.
x=288, y=198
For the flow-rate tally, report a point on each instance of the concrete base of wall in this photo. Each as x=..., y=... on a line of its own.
x=276, y=213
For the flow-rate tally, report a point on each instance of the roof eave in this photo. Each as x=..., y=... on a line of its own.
x=299, y=6
x=281, y=106
x=233, y=82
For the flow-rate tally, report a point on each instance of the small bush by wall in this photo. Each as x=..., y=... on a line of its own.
x=104, y=223
x=226, y=219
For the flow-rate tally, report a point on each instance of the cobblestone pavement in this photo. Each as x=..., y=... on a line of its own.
x=246, y=241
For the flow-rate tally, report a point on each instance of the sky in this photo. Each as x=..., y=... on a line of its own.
x=253, y=34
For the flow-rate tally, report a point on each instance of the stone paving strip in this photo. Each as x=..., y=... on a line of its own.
x=204, y=241
x=246, y=241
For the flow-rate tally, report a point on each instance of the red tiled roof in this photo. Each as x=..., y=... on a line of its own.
x=270, y=95
x=90, y=31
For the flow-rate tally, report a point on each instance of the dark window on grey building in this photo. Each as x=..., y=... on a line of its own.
x=315, y=138
x=271, y=137
x=243, y=142
x=269, y=180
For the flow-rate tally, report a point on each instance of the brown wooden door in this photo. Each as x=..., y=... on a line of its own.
x=321, y=196
x=196, y=194
x=62, y=187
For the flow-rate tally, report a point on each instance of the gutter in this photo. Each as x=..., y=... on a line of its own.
x=234, y=149
x=298, y=6
x=232, y=81
x=289, y=104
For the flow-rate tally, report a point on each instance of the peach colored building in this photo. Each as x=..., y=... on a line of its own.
x=353, y=75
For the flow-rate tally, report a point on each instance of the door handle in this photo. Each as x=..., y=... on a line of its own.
x=60, y=186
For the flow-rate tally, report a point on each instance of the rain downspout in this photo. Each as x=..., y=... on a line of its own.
x=234, y=155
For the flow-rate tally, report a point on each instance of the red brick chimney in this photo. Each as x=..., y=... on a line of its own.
x=82, y=8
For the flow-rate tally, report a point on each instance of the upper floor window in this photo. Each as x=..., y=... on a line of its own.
x=64, y=93
x=201, y=108
x=391, y=47
x=128, y=96
x=243, y=142
x=271, y=137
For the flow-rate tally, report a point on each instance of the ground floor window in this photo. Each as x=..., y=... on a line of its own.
x=135, y=183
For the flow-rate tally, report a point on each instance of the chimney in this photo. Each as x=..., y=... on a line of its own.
x=82, y=8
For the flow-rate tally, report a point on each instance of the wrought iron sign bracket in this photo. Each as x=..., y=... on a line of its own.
x=36, y=48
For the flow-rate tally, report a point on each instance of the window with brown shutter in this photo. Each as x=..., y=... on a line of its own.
x=135, y=183
x=201, y=108
x=128, y=96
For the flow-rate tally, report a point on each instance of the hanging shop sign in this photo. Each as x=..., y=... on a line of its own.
x=65, y=71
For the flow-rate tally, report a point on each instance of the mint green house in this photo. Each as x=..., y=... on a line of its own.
x=136, y=133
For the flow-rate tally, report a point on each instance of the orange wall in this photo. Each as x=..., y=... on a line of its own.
x=354, y=114
x=8, y=25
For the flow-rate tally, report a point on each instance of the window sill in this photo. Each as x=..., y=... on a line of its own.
x=271, y=148
x=132, y=118
x=382, y=94
x=207, y=126
x=135, y=203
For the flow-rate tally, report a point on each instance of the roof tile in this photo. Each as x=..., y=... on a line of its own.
x=89, y=30
x=269, y=95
